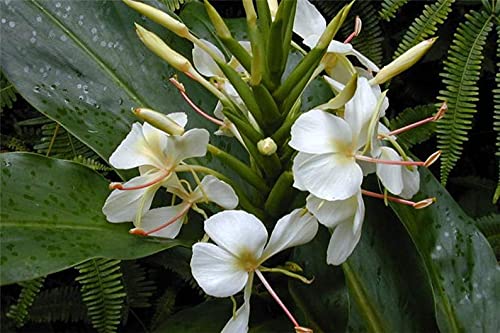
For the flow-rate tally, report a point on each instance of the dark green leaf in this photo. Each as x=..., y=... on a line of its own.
x=51, y=219
x=460, y=264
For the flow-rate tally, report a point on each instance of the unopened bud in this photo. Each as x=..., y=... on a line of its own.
x=220, y=26
x=273, y=7
x=159, y=120
x=267, y=146
x=158, y=46
x=159, y=17
x=403, y=62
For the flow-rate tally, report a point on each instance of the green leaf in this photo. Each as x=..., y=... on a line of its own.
x=51, y=219
x=80, y=63
x=459, y=262
x=323, y=304
x=388, y=288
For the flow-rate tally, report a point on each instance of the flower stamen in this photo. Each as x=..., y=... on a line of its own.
x=357, y=29
x=417, y=205
x=436, y=117
x=169, y=222
x=182, y=91
x=119, y=186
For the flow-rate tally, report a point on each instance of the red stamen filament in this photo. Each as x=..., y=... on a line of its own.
x=390, y=162
x=357, y=30
x=119, y=186
x=435, y=117
x=417, y=205
x=169, y=222
x=182, y=91
x=276, y=298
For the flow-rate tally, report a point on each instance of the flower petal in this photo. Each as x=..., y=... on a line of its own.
x=158, y=216
x=179, y=117
x=364, y=60
x=204, y=63
x=216, y=270
x=297, y=228
x=134, y=151
x=411, y=182
x=328, y=176
x=192, y=143
x=339, y=47
x=319, y=132
x=332, y=213
x=390, y=175
x=216, y=191
x=238, y=232
x=122, y=206
x=342, y=244
x=308, y=20
x=239, y=322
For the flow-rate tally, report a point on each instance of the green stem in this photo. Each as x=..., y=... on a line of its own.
x=281, y=192
x=239, y=167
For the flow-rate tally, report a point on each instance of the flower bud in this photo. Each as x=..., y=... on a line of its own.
x=159, y=17
x=273, y=7
x=267, y=146
x=159, y=120
x=403, y=62
x=220, y=26
x=158, y=46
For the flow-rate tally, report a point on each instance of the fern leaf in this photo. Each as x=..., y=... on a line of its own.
x=496, y=116
x=103, y=292
x=91, y=163
x=137, y=285
x=461, y=74
x=19, y=311
x=412, y=115
x=390, y=7
x=62, y=304
x=7, y=93
x=425, y=25
x=164, y=307
x=174, y=5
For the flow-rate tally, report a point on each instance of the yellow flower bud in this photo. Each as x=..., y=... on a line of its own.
x=158, y=46
x=159, y=17
x=159, y=120
x=220, y=26
x=267, y=146
x=403, y=62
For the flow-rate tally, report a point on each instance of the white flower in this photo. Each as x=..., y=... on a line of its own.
x=310, y=25
x=157, y=154
x=167, y=221
x=345, y=217
x=226, y=267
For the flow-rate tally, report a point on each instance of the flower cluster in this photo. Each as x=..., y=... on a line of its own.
x=325, y=151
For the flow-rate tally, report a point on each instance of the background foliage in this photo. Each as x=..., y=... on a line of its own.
x=69, y=78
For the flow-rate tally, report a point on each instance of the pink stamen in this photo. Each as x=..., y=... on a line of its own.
x=276, y=298
x=435, y=117
x=390, y=162
x=119, y=186
x=417, y=205
x=182, y=90
x=169, y=222
x=357, y=30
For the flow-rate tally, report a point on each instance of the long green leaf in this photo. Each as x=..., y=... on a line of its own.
x=51, y=219
x=459, y=262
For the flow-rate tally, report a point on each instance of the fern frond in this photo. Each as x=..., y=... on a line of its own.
x=19, y=311
x=7, y=93
x=62, y=304
x=103, y=292
x=138, y=286
x=174, y=5
x=13, y=143
x=496, y=116
x=461, y=74
x=57, y=142
x=412, y=115
x=390, y=7
x=91, y=163
x=164, y=307
x=177, y=260
x=425, y=25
